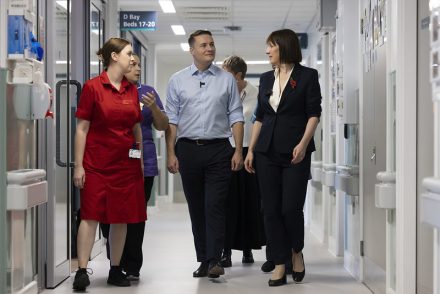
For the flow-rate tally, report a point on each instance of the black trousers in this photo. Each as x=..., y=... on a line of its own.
x=206, y=172
x=283, y=189
x=132, y=257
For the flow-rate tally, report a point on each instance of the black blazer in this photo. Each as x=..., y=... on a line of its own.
x=300, y=100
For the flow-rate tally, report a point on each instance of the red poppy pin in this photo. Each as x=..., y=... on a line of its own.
x=292, y=83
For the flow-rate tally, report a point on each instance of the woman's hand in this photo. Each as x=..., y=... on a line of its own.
x=149, y=99
x=79, y=176
x=298, y=154
x=249, y=162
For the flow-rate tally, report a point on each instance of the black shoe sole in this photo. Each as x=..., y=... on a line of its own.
x=279, y=282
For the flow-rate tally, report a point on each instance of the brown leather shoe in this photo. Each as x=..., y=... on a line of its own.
x=215, y=270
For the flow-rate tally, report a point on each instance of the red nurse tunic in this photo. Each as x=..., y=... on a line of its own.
x=113, y=191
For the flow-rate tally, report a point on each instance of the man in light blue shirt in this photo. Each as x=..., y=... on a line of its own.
x=203, y=105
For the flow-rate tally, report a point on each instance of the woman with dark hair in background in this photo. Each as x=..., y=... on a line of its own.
x=108, y=161
x=289, y=107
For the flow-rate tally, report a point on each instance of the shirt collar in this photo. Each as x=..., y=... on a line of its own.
x=211, y=69
x=106, y=81
x=244, y=91
x=276, y=72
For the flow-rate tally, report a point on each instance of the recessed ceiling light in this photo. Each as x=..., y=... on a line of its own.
x=167, y=6
x=178, y=29
x=184, y=46
x=62, y=4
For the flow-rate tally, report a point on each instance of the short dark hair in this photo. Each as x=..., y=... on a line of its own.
x=191, y=39
x=235, y=64
x=112, y=45
x=287, y=41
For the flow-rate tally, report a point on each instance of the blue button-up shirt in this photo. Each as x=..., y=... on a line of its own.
x=203, y=105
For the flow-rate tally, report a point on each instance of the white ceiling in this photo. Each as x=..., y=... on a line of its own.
x=257, y=18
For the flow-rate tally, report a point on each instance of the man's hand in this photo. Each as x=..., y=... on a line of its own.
x=173, y=164
x=237, y=161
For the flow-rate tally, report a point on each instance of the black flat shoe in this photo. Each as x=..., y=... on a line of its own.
x=299, y=276
x=117, y=278
x=279, y=282
x=268, y=266
x=247, y=258
x=81, y=281
x=202, y=271
x=226, y=261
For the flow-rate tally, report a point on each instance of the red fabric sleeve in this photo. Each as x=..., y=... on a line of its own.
x=86, y=103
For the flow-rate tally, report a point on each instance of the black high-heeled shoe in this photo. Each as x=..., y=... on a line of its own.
x=299, y=276
x=278, y=282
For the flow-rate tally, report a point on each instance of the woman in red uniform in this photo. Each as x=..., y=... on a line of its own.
x=108, y=165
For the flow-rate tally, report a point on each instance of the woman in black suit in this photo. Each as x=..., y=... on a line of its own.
x=289, y=107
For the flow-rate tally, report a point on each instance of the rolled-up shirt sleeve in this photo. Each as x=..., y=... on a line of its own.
x=235, y=105
x=86, y=103
x=313, y=99
x=172, y=102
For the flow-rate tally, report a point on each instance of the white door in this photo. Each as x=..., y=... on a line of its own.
x=374, y=161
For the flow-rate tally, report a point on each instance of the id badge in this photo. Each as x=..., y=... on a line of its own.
x=134, y=153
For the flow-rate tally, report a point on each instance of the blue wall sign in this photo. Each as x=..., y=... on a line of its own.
x=137, y=20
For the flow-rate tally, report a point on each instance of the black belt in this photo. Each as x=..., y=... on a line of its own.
x=201, y=142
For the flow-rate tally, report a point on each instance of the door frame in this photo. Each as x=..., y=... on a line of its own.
x=406, y=148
